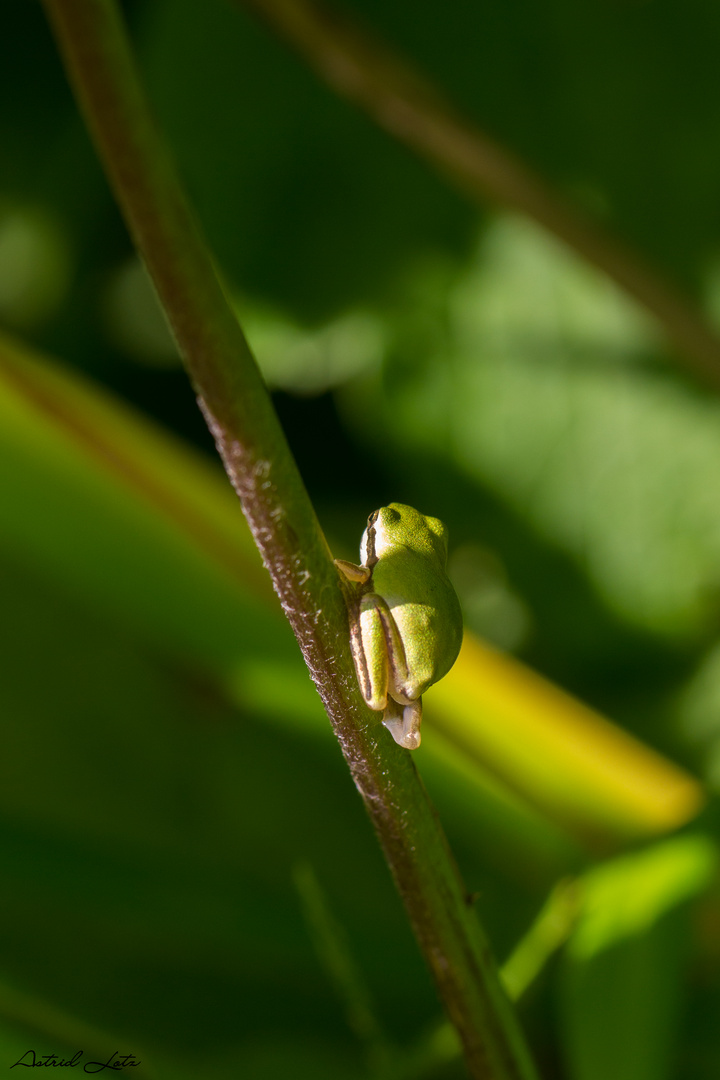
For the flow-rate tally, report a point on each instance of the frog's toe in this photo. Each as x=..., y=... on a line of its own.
x=403, y=723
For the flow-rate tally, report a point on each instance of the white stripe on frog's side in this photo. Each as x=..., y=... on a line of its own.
x=382, y=543
x=377, y=539
x=364, y=549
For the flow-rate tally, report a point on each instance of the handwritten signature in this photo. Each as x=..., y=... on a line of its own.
x=116, y=1061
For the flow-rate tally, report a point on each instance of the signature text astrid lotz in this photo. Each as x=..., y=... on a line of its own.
x=116, y=1061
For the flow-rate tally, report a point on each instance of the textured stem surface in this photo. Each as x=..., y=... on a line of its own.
x=239, y=412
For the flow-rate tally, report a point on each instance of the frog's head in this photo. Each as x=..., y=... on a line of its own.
x=398, y=525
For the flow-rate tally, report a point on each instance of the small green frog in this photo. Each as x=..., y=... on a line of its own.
x=406, y=627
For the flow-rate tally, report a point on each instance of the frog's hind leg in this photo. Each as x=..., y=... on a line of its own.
x=397, y=667
x=371, y=663
x=381, y=650
x=382, y=671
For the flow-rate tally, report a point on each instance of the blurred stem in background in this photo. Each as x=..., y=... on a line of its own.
x=361, y=67
x=333, y=952
x=239, y=412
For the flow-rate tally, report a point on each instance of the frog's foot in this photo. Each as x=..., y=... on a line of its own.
x=403, y=722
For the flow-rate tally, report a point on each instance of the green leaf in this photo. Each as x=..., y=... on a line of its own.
x=625, y=977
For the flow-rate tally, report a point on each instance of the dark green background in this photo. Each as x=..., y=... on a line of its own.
x=149, y=827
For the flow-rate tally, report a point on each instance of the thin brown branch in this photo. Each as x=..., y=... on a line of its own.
x=364, y=70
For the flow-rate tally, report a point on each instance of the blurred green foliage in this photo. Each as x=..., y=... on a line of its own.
x=164, y=765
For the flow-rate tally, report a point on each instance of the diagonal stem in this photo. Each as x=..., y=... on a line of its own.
x=230, y=391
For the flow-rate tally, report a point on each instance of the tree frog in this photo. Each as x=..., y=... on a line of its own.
x=405, y=623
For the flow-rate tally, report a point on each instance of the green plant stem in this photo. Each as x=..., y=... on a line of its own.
x=233, y=398
x=360, y=67
x=345, y=974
